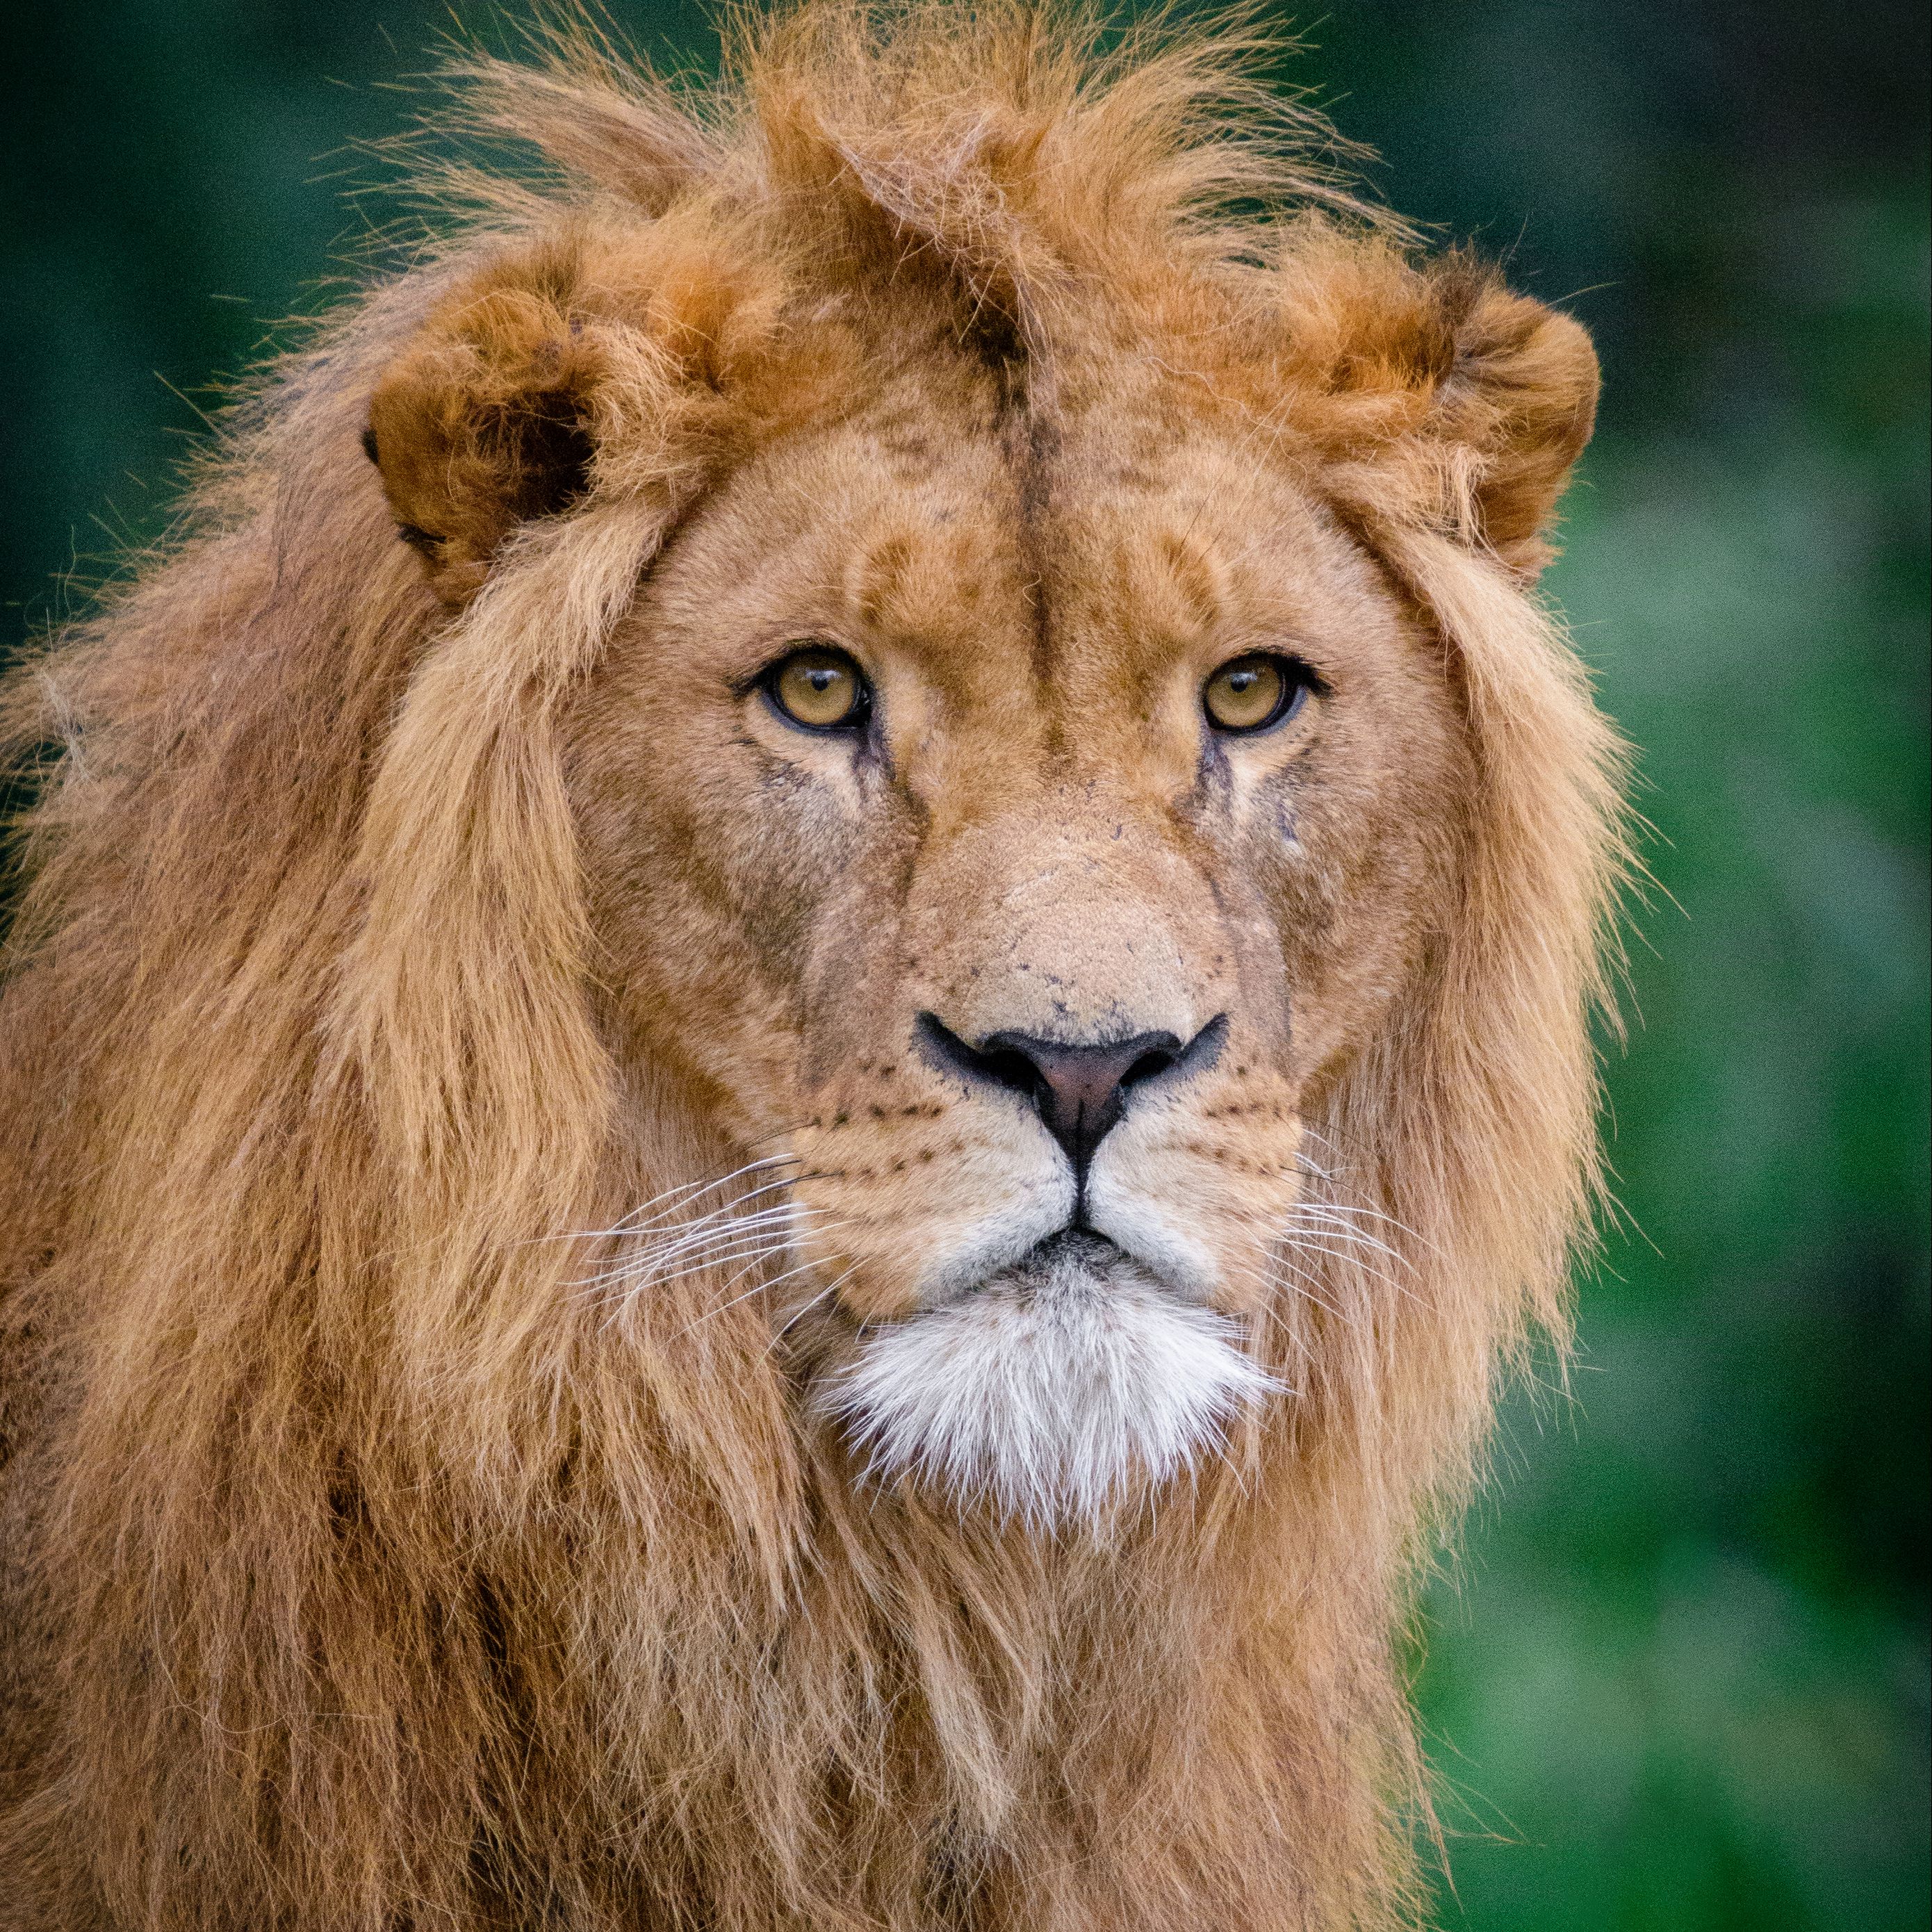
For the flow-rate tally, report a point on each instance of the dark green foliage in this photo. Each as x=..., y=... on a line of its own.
x=1681, y=1682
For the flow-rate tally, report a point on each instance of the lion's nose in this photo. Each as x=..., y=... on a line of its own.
x=1078, y=1088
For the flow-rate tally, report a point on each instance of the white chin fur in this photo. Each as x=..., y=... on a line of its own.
x=1065, y=1384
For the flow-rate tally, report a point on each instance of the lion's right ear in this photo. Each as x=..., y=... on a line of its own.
x=486, y=419
x=631, y=357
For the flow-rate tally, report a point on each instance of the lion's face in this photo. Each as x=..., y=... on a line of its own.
x=997, y=917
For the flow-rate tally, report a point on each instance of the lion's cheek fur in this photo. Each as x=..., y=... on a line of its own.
x=1238, y=1158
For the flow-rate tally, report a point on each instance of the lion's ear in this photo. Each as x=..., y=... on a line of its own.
x=1435, y=391
x=1521, y=396
x=486, y=419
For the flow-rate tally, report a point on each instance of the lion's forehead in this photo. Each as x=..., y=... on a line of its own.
x=1057, y=572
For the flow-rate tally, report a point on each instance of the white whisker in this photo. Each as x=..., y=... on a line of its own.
x=1305, y=1213
x=1341, y=1247
x=681, y=1197
x=713, y=1240
x=760, y=1287
x=1304, y=1285
x=750, y=1251
x=805, y=1307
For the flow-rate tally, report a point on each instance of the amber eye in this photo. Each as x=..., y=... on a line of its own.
x=820, y=689
x=1249, y=693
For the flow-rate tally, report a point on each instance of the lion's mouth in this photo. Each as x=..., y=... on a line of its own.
x=1053, y=1264
x=1066, y=1383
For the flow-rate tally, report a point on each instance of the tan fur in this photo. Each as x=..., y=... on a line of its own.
x=401, y=915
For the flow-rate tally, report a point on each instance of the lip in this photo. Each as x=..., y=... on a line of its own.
x=1075, y=1242
x=1010, y=1264
x=1082, y=1248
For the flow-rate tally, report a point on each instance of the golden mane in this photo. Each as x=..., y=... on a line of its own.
x=359, y=1578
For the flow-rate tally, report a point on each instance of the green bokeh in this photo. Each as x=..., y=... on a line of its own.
x=1679, y=1680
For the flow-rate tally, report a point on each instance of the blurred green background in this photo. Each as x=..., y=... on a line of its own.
x=1680, y=1679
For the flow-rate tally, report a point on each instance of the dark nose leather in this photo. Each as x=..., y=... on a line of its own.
x=1079, y=1089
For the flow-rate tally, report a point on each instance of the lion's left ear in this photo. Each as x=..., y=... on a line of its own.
x=1433, y=392
x=1521, y=395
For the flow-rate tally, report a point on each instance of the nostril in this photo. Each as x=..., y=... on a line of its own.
x=1148, y=1066
x=1011, y=1070
x=1003, y=1067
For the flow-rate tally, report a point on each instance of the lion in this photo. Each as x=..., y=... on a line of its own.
x=796, y=1028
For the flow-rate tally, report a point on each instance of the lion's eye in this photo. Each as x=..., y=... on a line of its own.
x=820, y=689
x=1249, y=693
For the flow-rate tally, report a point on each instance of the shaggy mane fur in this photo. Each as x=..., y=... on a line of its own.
x=355, y=1576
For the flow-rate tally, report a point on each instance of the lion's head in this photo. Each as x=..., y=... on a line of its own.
x=946, y=893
